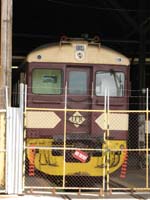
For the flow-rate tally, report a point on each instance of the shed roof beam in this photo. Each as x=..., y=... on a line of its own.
x=124, y=15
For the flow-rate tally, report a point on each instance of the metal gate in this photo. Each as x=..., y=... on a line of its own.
x=48, y=168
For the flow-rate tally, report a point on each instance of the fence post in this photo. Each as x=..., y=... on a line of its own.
x=9, y=158
x=108, y=148
x=147, y=145
x=20, y=141
x=104, y=152
x=65, y=118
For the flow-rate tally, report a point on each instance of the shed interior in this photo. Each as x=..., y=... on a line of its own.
x=121, y=25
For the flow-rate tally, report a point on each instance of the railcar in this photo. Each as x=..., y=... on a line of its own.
x=66, y=107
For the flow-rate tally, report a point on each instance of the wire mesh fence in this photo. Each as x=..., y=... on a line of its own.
x=133, y=173
x=87, y=149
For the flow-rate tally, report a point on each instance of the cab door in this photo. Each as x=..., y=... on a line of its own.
x=79, y=93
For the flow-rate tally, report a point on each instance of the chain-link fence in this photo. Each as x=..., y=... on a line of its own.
x=87, y=149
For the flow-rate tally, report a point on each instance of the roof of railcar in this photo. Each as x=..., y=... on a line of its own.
x=67, y=52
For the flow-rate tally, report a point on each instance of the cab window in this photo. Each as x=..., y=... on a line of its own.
x=78, y=82
x=47, y=81
x=113, y=81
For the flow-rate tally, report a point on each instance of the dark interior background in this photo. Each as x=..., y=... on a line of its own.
x=122, y=25
x=118, y=23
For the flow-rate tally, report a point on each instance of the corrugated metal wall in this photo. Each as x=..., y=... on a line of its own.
x=14, y=146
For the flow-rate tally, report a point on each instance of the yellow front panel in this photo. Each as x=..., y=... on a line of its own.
x=53, y=165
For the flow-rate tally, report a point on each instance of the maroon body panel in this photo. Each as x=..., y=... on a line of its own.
x=86, y=101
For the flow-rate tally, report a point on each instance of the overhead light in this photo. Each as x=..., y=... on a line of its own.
x=14, y=67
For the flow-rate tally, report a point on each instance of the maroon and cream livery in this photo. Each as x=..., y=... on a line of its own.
x=70, y=86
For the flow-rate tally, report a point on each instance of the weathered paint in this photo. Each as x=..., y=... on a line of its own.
x=5, y=73
x=6, y=45
x=53, y=165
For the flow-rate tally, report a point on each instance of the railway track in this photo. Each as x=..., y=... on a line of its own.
x=66, y=197
x=131, y=193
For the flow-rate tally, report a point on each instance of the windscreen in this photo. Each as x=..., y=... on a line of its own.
x=111, y=80
x=46, y=81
